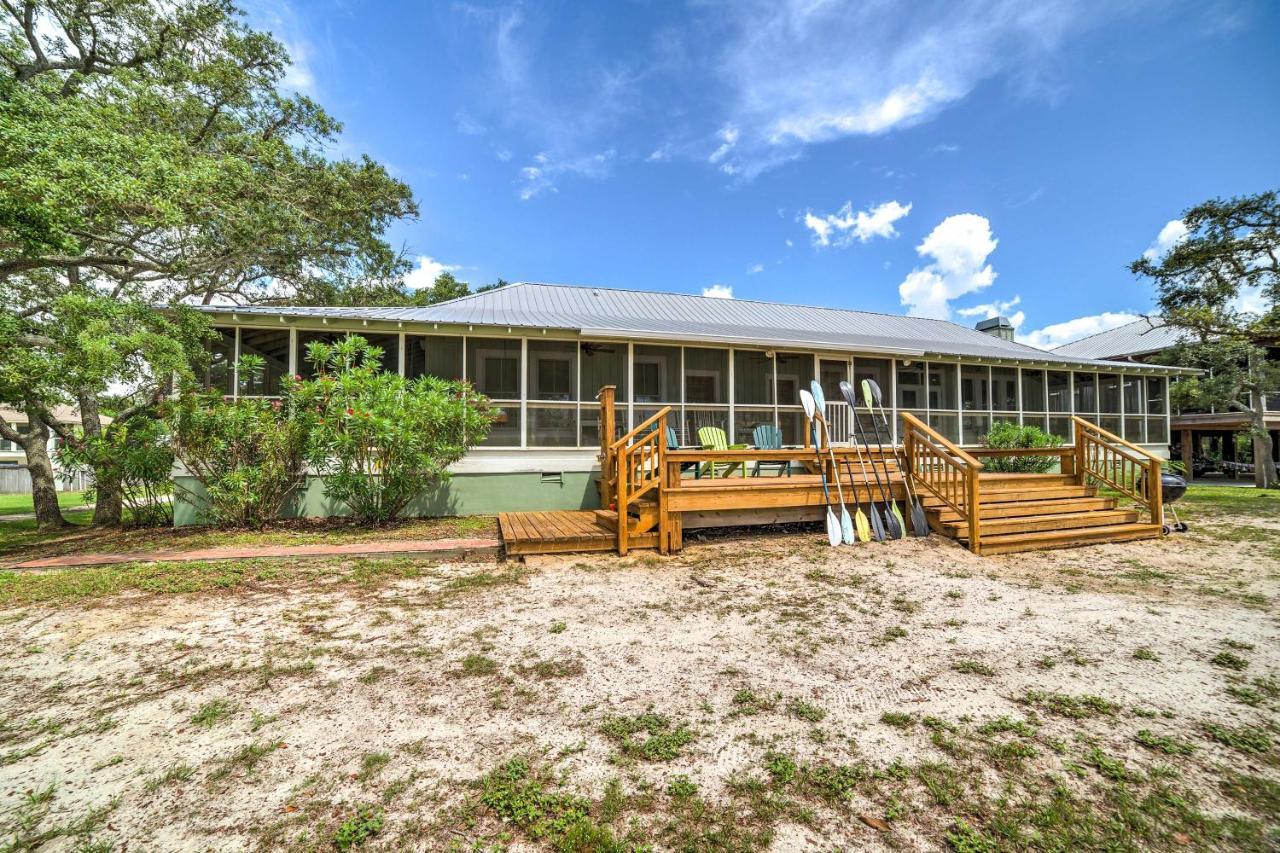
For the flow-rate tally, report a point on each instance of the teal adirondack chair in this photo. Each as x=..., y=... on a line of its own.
x=769, y=437
x=713, y=438
x=673, y=443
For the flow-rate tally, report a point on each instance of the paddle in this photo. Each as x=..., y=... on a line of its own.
x=820, y=410
x=833, y=526
x=919, y=523
x=877, y=526
x=893, y=516
x=860, y=523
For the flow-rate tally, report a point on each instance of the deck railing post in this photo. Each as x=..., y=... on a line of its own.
x=607, y=397
x=973, y=499
x=1155, y=492
x=661, y=442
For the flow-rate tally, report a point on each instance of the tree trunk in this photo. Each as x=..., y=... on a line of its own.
x=1264, y=464
x=108, y=500
x=44, y=488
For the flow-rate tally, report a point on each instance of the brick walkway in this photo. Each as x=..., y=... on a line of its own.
x=440, y=549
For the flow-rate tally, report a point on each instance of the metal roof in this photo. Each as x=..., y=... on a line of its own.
x=650, y=315
x=1141, y=337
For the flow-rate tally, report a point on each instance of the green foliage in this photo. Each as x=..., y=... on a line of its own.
x=1004, y=435
x=1244, y=738
x=516, y=794
x=249, y=454
x=1167, y=744
x=133, y=456
x=382, y=440
x=359, y=828
x=663, y=742
x=1227, y=660
x=781, y=767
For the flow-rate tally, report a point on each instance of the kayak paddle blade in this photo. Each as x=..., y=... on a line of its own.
x=806, y=400
x=875, y=392
x=866, y=392
x=819, y=398
x=919, y=523
x=833, y=528
x=846, y=527
x=891, y=526
x=877, y=526
x=897, y=516
x=862, y=526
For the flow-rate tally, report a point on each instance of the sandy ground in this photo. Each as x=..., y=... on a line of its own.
x=99, y=698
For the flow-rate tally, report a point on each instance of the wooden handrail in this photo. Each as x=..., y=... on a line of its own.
x=1122, y=465
x=940, y=438
x=641, y=427
x=935, y=464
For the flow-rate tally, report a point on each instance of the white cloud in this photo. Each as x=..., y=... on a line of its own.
x=801, y=72
x=423, y=275
x=1057, y=334
x=959, y=247
x=467, y=125
x=1173, y=233
x=755, y=268
x=661, y=154
x=728, y=137
x=788, y=242
x=848, y=226
x=996, y=308
x=718, y=291
x=503, y=154
x=545, y=171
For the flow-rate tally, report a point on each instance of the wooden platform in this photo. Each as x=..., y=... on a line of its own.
x=560, y=532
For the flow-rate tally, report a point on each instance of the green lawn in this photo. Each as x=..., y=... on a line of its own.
x=14, y=504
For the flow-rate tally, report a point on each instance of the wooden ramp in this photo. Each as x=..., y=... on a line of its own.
x=559, y=532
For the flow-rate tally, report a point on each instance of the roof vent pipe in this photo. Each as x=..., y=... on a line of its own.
x=998, y=327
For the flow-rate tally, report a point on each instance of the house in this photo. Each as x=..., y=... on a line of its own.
x=1204, y=441
x=13, y=460
x=543, y=351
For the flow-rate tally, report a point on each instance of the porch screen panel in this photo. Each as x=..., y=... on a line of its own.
x=942, y=387
x=752, y=378
x=272, y=346
x=656, y=375
x=389, y=344
x=746, y=420
x=433, y=355
x=706, y=375
x=881, y=370
x=975, y=388
x=553, y=376
x=1157, y=426
x=602, y=364
x=1004, y=395
x=912, y=392
x=493, y=367
x=1086, y=395
x=1109, y=403
x=1058, y=389
x=1034, y=405
x=219, y=373
x=830, y=374
x=795, y=371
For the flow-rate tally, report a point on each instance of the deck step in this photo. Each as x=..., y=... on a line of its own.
x=1039, y=523
x=1014, y=542
x=1022, y=481
x=1024, y=508
x=1034, y=493
x=641, y=522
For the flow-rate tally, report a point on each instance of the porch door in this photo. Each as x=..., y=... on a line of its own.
x=831, y=372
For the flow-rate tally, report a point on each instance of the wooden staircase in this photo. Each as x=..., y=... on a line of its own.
x=994, y=513
x=1048, y=512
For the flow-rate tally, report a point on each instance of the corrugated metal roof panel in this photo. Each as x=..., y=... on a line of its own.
x=1136, y=338
x=652, y=315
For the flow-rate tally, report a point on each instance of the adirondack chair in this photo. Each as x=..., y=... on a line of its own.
x=769, y=437
x=713, y=438
x=673, y=443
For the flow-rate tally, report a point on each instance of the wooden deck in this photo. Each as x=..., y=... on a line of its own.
x=560, y=532
x=663, y=490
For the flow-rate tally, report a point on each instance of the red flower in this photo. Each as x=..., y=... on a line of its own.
x=297, y=377
x=350, y=411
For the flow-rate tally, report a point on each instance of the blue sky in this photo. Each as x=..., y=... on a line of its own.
x=943, y=159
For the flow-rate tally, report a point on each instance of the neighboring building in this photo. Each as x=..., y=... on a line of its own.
x=1203, y=441
x=13, y=460
x=542, y=352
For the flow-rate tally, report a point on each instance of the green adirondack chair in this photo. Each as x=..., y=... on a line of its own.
x=769, y=437
x=713, y=438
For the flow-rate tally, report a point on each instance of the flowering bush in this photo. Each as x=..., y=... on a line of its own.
x=133, y=456
x=380, y=439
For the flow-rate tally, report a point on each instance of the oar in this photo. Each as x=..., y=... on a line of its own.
x=820, y=410
x=833, y=526
x=860, y=524
x=877, y=526
x=893, y=518
x=919, y=523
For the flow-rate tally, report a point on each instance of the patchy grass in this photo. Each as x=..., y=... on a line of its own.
x=358, y=828
x=973, y=667
x=1072, y=707
x=212, y=713
x=1167, y=744
x=663, y=740
x=1227, y=660
x=1243, y=738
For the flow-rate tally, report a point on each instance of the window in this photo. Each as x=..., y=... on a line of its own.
x=942, y=387
x=1155, y=395
x=553, y=370
x=706, y=373
x=831, y=374
x=272, y=346
x=219, y=374
x=911, y=386
x=505, y=431
x=1109, y=394
x=1033, y=391
x=432, y=355
x=975, y=391
x=1004, y=389
x=553, y=426
x=493, y=366
x=752, y=378
x=1059, y=389
x=795, y=371
x=1086, y=393
x=389, y=344
x=656, y=373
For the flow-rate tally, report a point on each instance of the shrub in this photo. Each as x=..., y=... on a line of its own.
x=132, y=456
x=249, y=453
x=380, y=439
x=1004, y=435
